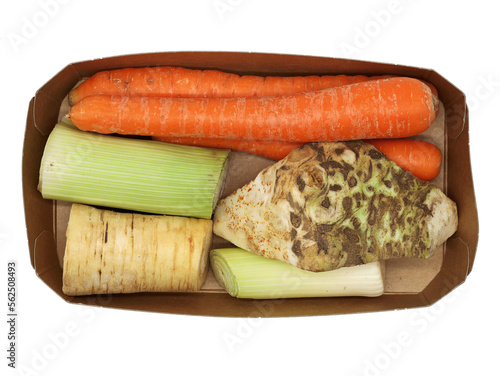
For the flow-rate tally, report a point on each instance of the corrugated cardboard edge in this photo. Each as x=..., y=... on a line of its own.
x=39, y=212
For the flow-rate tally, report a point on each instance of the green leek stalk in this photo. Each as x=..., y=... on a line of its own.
x=244, y=274
x=132, y=174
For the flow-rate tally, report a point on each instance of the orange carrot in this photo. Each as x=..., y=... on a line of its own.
x=269, y=149
x=190, y=83
x=421, y=158
x=387, y=108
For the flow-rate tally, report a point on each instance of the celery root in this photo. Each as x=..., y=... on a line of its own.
x=246, y=275
x=111, y=252
x=333, y=204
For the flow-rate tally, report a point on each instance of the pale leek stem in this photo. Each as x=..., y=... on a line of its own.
x=133, y=174
x=246, y=275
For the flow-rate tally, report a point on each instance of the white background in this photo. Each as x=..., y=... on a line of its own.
x=456, y=336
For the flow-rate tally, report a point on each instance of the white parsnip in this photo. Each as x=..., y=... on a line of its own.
x=110, y=252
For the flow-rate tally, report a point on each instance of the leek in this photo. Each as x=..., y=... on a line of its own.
x=132, y=174
x=244, y=274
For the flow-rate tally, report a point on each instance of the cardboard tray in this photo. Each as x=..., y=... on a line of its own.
x=410, y=283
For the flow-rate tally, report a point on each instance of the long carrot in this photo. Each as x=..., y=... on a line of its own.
x=169, y=81
x=421, y=158
x=387, y=108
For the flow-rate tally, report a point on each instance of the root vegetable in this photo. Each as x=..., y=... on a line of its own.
x=388, y=108
x=167, y=81
x=336, y=204
x=109, y=252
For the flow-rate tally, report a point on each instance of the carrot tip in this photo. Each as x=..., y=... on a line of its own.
x=71, y=98
x=435, y=103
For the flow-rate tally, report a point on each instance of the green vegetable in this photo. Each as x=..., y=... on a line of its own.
x=133, y=174
x=246, y=275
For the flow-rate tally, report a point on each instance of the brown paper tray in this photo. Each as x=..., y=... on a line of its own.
x=409, y=282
